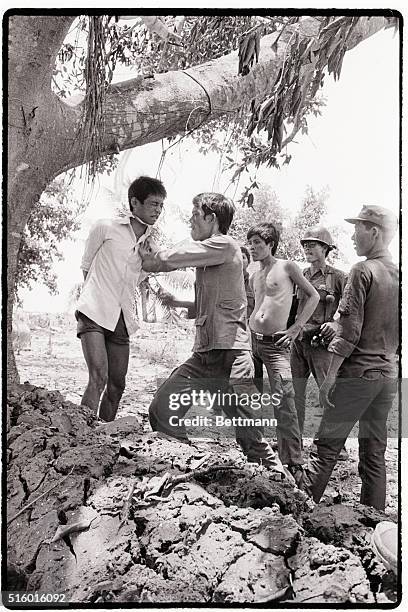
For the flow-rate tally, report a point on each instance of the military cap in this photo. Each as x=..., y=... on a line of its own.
x=383, y=217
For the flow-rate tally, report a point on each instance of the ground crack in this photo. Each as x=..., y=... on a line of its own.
x=220, y=577
x=25, y=487
x=87, y=486
x=376, y=578
x=30, y=567
x=39, y=484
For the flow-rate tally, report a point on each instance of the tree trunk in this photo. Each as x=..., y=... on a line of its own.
x=22, y=196
x=43, y=131
x=34, y=155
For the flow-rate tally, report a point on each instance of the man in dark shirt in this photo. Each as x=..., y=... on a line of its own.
x=363, y=370
x=222, y=356
x=309, y=353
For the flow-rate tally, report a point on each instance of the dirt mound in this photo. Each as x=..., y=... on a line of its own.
x=110, y=513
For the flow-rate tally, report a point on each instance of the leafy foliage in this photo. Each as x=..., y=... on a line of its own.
x=270, y=123
x=54, y=218
x=298, y=81
x=266, y=207
x=311, y=212
x=203, y=38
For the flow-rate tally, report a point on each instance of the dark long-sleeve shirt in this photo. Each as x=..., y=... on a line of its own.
x=327, y=281
x=220, y=301
x=368, y=334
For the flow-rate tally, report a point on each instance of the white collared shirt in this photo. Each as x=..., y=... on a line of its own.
x=114, y=266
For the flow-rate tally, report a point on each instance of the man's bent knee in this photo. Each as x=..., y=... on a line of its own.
x=98, y=379
x=115, y=391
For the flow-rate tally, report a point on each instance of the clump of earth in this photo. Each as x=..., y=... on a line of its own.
x=110, y=512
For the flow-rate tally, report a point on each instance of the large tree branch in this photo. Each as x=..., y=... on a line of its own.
x=176, y=102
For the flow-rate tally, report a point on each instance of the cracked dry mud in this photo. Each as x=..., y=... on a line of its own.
x=212, y=535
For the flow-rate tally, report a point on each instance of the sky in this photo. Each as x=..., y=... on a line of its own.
x=353, y=149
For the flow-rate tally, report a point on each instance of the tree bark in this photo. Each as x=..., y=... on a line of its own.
x=43, y=131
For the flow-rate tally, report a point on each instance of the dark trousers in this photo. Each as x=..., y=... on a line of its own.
x=215, y=371
x=306, y=360
x=365, y=400
x=276, y=362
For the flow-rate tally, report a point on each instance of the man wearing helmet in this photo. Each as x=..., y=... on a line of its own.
x=309, y=351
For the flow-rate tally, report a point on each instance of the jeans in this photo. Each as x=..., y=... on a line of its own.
x=276, y=361
x=367, y=400
x=217, y=371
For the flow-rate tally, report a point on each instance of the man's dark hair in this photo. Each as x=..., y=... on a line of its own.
x=144, y=186
x=245, y=251
x=215, y=203
x=268, y=232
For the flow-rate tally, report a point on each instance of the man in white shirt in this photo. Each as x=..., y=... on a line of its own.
x=112, y=268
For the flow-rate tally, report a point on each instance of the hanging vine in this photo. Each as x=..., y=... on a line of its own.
x=99, y=66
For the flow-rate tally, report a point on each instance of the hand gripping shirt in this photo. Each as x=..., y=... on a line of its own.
x=114, y=268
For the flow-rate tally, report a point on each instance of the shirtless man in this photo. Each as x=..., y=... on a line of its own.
x=273, y=288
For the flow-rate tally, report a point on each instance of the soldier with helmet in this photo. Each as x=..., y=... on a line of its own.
x=309, y=353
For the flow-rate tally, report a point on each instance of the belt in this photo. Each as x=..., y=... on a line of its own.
x=263, y=337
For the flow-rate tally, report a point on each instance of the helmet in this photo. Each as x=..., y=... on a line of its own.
x=319, y=234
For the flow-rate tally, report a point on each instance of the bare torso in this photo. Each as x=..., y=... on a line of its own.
x=273, y=290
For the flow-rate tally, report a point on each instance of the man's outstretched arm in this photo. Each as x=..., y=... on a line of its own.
x=188, y=254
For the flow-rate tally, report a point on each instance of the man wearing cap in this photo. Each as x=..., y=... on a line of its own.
x=309, y=353
x=361, y=381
